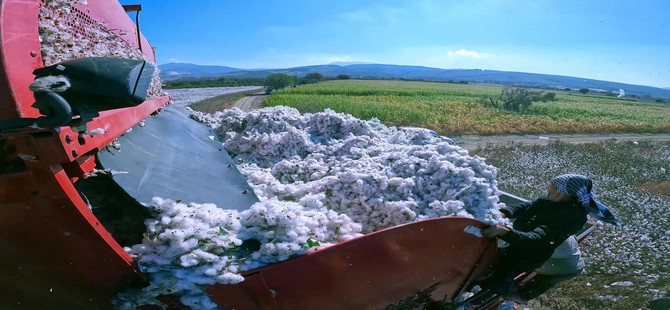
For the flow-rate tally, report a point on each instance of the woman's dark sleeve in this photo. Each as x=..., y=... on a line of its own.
x=513, y=211
x=536, y=237
x=544, y=235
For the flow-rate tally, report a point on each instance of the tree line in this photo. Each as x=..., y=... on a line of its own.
x=280, y=80
x=220, y=82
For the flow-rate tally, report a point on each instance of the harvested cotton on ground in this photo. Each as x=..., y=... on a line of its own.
x=322, y=178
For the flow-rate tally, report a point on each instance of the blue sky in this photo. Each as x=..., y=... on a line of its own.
x=623, y=41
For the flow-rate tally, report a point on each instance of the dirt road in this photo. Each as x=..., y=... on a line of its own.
x=475, y=142
x=248, y=103
x=185, y=96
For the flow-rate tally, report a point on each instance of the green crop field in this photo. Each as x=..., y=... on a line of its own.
x=454, y=109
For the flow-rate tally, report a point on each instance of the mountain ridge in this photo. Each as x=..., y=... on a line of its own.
x=180, y=71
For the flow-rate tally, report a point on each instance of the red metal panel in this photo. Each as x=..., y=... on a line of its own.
x=67, y=145
x=55, y=252
x=372, y=271
x=19, y=56
x=15, y=187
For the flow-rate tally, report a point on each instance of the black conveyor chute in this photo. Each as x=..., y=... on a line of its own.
x=174, y=157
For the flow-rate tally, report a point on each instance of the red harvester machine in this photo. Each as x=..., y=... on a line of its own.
x=57, y=253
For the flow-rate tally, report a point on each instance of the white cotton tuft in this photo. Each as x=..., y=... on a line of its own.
x=57, y=84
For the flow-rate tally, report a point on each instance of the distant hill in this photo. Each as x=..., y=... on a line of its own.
x=382, y=71
x=172, y=71
x=347, y=63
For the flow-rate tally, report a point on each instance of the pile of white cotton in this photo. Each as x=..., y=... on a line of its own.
x=378, y=175
x=190, y=246
x=322, y=178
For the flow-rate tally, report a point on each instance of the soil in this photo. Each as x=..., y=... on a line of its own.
x=249, y=103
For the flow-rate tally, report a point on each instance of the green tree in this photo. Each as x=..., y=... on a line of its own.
x=513, y=99
x=278, y=81
x=343, y=77
x=313, y=77
x=583, y=90
x=544, y=97
x=550, y=96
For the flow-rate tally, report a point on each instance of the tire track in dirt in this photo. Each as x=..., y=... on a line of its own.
x=249, y=103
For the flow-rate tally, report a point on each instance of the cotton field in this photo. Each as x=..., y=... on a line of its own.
x=635, y=254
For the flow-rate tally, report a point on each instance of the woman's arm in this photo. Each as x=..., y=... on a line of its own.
x=536, y=237
x=514, y=211
x=543, y=235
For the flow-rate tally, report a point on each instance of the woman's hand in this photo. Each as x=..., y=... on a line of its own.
x=494, y=231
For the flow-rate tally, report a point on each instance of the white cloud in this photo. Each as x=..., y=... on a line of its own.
x=466, y=53
x=339, y=59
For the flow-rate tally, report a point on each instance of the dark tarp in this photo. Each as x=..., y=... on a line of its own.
x=176, y=157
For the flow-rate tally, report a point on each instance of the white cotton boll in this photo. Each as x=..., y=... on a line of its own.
x=292, y=234
x=97, y=132
x=50, y=83
x=205, y=256
x=312, y=201
x=174, y=234
x=229, y=278
x=211, y=272
x=188, y=260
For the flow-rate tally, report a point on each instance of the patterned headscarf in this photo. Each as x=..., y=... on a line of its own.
x=579, y=186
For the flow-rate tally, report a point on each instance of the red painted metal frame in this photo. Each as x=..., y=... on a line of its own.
x=19, y=56
x=369, y=272
x=55, y=253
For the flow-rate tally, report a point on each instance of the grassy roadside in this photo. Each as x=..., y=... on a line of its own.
x=220, y=103
x=454, y=109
